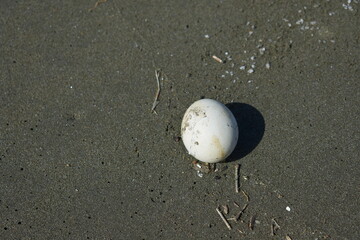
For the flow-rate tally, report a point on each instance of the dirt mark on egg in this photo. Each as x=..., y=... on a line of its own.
x=195, y=112
x=215, y=141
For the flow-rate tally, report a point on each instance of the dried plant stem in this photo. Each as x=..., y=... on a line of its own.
x=156, y=100
x=223, y=218
x=251, y=222
x=274, y=226
x=237, y=167
x=236, y=204
x=238, y=216
x=246, y=195
x=97, y=4
x=217, y=59
x=226, y=209
x=287, y=237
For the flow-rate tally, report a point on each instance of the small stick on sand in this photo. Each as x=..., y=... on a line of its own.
x=246, y=195
x=272, y=231
x=223, y=218
x=217, y=59
x=97, y=4
x=238, y=216
x=287, y=237
x=226, y=209
x=236, y=204
x=215, y=168
x=237, y=167
x=251, y=222
x=274, y=226
x=156, y=100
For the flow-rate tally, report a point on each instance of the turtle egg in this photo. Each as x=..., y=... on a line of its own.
x=209, y=131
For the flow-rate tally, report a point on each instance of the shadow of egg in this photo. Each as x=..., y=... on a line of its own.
x=251, y=126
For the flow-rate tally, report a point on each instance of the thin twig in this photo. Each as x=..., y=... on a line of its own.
x=240, y=231
x=97, y=4
x=274, y=226
x=156, y=100
x=238, y=216
x=246, y=195
x=251, y=222
x=226, y=209
x=237, y=167
x=216, y=167
x=236, y=204
x=223, y=218
x=217, y=59
x=287, y=237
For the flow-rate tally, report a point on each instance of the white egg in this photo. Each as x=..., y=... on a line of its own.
x=209, y=131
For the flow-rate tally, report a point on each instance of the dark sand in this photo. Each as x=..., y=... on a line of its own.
x=83, y=157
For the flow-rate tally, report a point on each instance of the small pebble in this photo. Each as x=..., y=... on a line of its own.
x=262, y=50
